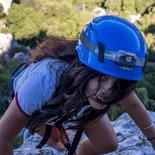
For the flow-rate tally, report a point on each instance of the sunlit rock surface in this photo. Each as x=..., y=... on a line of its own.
x=131, y=140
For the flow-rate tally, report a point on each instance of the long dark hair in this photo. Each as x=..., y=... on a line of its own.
x=69, y=96
x=54, y=47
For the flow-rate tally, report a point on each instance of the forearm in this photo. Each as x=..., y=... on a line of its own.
x=10, y=125
x=140, y=115
x=6, y=148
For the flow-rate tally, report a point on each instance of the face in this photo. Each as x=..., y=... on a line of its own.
x=99, y=92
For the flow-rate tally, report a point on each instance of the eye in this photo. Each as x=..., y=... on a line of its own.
x=103, y=78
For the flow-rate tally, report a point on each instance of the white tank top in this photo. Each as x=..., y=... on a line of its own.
x=36, y=84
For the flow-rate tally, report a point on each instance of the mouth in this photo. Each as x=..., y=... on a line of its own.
x=101, y=99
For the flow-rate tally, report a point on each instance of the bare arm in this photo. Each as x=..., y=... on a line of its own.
x=139, y=114
x=10, y=125
x=101, y=138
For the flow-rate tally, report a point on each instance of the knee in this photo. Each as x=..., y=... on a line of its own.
x=111, y=146
x=108, y=147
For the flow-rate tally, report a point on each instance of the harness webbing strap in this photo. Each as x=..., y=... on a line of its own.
x=76, y=140
x=62, y=135
x=59, y=125
x=45, y=137
x=15, y=73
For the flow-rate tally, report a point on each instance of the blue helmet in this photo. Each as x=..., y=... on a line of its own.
x=113, y=46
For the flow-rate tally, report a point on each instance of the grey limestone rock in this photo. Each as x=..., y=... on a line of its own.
x=131, y=140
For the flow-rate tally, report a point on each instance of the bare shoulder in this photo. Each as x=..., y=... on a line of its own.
x=129, y=97
x=130, y=100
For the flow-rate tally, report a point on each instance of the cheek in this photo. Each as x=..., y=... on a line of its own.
x=91, y=87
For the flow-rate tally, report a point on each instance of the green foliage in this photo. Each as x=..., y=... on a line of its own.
x=125, y=8
x=4, y=88
x=25, y=22
x=151, y=57
x=142, y=93
x=147, y=25
x=33, y=20
x=115, y=111
x=17, y=141
x=89, y=4
x=149, y=80
x=18, y=49
x=5, y=73
x=142, y=142
x=4, y=78
x=3, y=104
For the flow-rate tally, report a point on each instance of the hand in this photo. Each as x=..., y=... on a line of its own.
x=56, y=145
x=53, y=141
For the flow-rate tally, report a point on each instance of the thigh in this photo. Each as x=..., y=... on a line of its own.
x=101, y=134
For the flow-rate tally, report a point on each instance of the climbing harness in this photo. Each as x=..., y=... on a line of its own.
x=15, y=73
x=87, y=114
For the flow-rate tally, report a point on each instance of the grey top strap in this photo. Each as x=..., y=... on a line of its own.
x=121, y=57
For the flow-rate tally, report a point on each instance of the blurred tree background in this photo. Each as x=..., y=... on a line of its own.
x=30, y=21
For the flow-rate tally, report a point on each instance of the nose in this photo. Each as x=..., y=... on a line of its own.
x=107, y=85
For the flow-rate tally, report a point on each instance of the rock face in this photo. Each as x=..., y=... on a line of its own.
x=131, y=140
x=5, y=42
x=6, y=5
